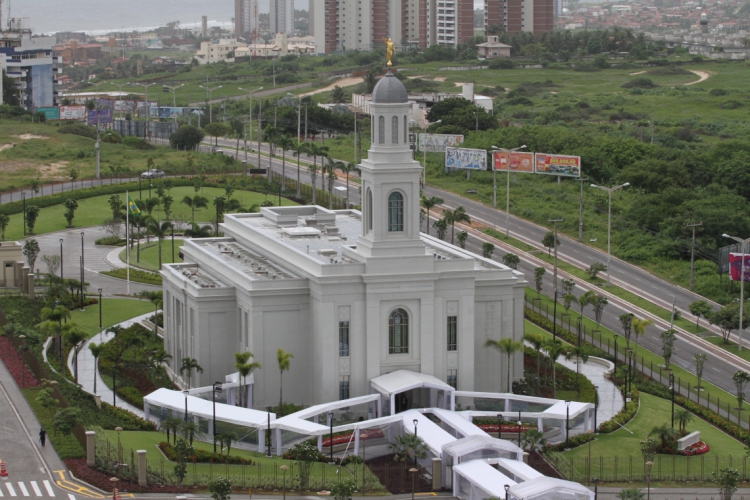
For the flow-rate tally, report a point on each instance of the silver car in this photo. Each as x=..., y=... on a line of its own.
x=154, y=173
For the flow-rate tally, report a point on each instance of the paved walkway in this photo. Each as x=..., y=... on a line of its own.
x=88, y=372
x=610, y=398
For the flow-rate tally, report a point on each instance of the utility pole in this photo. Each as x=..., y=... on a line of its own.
x=148, y=107
x=305, y=122
x=554, y=277
x=260, y=133
x=580, y=213
x=174, y=97
x=210, y=106
x=692, y=253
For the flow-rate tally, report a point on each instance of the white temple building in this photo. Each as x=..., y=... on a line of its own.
x=352, y=295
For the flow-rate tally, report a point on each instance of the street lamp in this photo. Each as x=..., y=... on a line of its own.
x=100, y=309
x=580, y=329
x=596, y=488
x=119, y=447
x=186, y=392
x=519, y=429
x=23, y=198
x=671, y=388
x=507, y=187
x=174, y=97
x=62, y=261
x=268, y=432
x=507, y=491
x=250, y=94
x=415, y=422
x=284, y=468
x=596, y=404
x=615, y=369
x=742, y=281
x=500, y=420
x=83, y=254
x=217, y=388
x=649, y=464
x=148, y=107
x=209, y=90
x=299, y=121
x=567, y=423
x=609, y=222
x=554, y=308
x=330, y=423
x=630, y=370
x=413, y=471
x=424, y=163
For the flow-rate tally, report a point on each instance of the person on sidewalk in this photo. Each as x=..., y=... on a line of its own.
x=42, y=436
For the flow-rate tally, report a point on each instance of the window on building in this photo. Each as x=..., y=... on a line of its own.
x=394, y=130
x=369, y=210
x=395, y=212
x=381, y=130
x=453, y=378
x=343, y=338
x=452, y=333
x=344, y=387
x=398, y=332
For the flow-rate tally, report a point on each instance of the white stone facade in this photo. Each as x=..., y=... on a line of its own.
x=352, y=295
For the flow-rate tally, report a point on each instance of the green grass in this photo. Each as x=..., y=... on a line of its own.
x=732, y=346
x=94, y=211
x=625, y=446
x=150, y=255
x=136, y=276
x=66, y=447
x=114, y=311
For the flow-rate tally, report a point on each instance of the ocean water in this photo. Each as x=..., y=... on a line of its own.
x=99, y=16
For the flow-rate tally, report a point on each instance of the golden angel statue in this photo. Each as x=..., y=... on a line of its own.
x=389, y=49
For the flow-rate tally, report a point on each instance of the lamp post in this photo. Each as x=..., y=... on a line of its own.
x=500, y=420
x=23, y=198
x=567, y=423
x=424, y=151
x=174, y=97
x=217, y=388
x=596, y=404
x=507, y=185
x=580, y=329
x=631, y=369
x=415, y=422
x=363, y=438
x=119, y=447
x=649, y=464
x=615, y=369
x=596, y=488
x=609, y=222
x=148, y=107
x=250, y=94
x=100, y=309
x=186, y=393
x=554, y=277
x=580, y=212
x=209, y=90
x=268, y=432
x=299, y=121
x=83, y=254
x=519, y=429
x=330, y=423
x=671, y=389
x=507, y=491
x=413, y=471
x=61, y=261
x=743, y=244
x=283, y=481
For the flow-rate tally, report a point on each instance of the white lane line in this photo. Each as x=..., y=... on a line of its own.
x=36, y=488
x=22, y=486
x=71, y=497
x=10, y=489
x=49, y=488
x=1, y=493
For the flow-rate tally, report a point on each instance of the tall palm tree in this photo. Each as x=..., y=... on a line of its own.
x=332, y=167
x=428, y=204
x=537, y=343
x=554, y=350
x=158, y=230
x=346, y=169
x=581, y=355
x=626, y=320
x=96, y=351
x=324, y=155
x=683, y=417
x=313, y=169
x=271, y=134
x=285, y=361
x=56, y=315
x=194, y=202
x=187, y=366
x=407, y=447
x=198, y=231
x=639, y=329
x=508, y=347
x=285, y=142
x=245, y=369
x=457, y=215
x=585, y=299
x=299, y=149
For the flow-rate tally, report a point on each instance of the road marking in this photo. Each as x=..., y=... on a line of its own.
x=71, y=497
x=36, y=488
x=1, y=493
x=11, y=490
x=75, y=488
x=49, y=489
x=23, y=489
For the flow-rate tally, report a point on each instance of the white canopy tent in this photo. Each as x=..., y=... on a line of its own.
x=518, y=470
x=394, y=383
x=550, y=488
x=477, y=447
x=478, y=480
x=459, y=426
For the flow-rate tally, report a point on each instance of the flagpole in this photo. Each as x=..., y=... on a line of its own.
x=127, y=236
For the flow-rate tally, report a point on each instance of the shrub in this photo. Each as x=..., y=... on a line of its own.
x=718, y=92
x=202, y=456
x=78, y=129
x=135, y=275
x=641, y=83
x=573, y=442
x=131, y=395
x=623, y=417
x=732, y=104
x=136, y=143
x=669, y=70
x=520, y=101
x=110, y=240
x=501, y=64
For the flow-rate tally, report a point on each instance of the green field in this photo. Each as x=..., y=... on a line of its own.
x=94, y=211
x=150, y=255
x=114, y=311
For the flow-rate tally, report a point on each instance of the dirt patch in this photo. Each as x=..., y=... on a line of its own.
x=54, y=170
x=344, y=82
x=6, y=146
x=413, y=77
x=395, y=475
x=16, y=166
x=702, y=74
x=637, y=73
x=440, y=78
x=27, y=137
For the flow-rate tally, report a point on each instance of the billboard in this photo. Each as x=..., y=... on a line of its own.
x=50, y=113
x=99, y=116
x=438, y=142
x=460, y=158
x=562, y=165
x=124, y=106
x=735, y=266
x=72, y=112
x=513, y=162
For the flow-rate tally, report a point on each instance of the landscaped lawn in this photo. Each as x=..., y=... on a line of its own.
x=113, y=311
x=617, y=456
x=149, y=258
x=94, y=211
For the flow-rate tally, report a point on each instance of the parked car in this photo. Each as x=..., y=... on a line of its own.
x=154, y=173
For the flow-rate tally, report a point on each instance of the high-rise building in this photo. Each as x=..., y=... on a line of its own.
x=339, y=25
x=31, y=62
x=282, y=16
x=246, y=18
x=535, y=16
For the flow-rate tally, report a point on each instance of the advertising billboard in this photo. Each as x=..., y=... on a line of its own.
x=562, y=165
x=50, y=113
x=99, y=116
x=460, y=158
x=513, y=162
x=438, y=142
x=735, y=266
x=124, y=106
x=72, y=112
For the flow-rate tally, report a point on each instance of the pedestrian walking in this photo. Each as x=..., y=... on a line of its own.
x=42, y=436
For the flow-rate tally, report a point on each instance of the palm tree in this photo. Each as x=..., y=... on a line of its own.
x=194, y=202
x=407, y=447
x=58, y=314
x=664, y=433
x=285, y=361
x=532, y=440
x=159, y=230
x=581, y=355
x=226, y=439
x=626, y=320
x=190, y=430
x=346, y=169
x=198, y=231
x=457, y=215
x=299, y=148
x=96, y=351
x=554, y=350
x=632, y=493
x=149, y=204
x=271, y=134
x=188, y=365
x=506, y=346
x=73, y=337
x=683, y=417
x=586, y=299
x=639, y=329
x=332, y=167
x=537, y=343
x=428, y=204
x=286, y=143
x=245, y=369
x=171, y=424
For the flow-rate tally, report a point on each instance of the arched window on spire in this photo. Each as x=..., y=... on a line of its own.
x=394, y=130
x=381, y=129
x=369, y=210
x=398, y=332
x=395, y=212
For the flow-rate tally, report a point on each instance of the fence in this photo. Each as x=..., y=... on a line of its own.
x=726, y=408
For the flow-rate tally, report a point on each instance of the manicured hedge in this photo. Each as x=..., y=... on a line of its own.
x=561, y=332
x=201, y=456
x=135, y=275
x=623, y=417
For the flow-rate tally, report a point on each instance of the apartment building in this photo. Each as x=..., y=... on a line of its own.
x=535, y=16
x=246, y=13
x=340, y=25
x=282, y=16
x=31, y=63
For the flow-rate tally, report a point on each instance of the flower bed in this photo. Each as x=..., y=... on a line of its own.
x=101, y=479
x=698, y=448
x=17, y=368
x=504, y=428
x=345, y=438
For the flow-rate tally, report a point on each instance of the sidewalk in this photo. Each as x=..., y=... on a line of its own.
x=610, y=398
x=87, y=369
